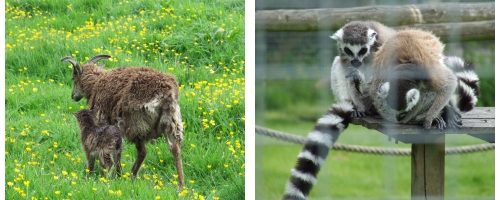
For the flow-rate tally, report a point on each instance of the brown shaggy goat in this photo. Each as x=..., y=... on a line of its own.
x=144, y=98
x=104, y=143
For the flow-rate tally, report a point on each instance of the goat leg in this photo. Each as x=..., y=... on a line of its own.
x=118, y=166
x=141, y=155
x=105, y=160
x=174, y=145
x=90, y=162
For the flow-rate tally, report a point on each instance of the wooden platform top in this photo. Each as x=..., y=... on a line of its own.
x=480, y=123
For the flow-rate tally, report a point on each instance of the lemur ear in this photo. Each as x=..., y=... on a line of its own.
x=412, y=97
x=383, y=89
x=372, y=36
x=338, y=35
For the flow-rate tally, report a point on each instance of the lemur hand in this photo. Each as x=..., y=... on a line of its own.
x=353, y=74
x=358, y=114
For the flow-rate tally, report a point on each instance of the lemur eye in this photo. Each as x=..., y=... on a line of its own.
x=362, y=51
x=348, y=51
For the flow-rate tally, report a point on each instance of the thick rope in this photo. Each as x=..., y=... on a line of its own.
x=370, y=150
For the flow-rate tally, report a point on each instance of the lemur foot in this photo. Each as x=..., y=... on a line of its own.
x=354, y=75
x=358, y=114
x=439, y=122
x=452, y=117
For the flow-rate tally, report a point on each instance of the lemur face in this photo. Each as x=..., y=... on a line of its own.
x=401, y=97
x=356, y=53
x=354, y=42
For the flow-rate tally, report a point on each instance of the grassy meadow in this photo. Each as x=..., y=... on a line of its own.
x=200, y=42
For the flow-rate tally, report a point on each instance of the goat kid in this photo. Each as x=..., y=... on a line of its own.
x=104, y=143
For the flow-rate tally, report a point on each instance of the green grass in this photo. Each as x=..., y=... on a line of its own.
x=200, y=42
x=348, y=175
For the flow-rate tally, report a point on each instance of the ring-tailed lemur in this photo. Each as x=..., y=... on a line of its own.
x=350, y=71
x=411, y=84
x=356, y=43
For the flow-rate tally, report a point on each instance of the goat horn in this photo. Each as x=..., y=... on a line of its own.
x=76, y=66
x=98, y=57
x=69, y=59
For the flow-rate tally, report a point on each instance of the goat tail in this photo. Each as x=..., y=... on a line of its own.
x=468, y=83
x=319, y=142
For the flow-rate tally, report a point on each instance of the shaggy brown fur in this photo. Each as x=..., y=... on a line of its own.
x=146, y=99
x=104, y=143
x=418, y=54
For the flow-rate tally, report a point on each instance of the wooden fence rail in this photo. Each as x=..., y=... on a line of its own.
x=470, y=17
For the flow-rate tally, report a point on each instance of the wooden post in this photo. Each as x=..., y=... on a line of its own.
x=427, y=168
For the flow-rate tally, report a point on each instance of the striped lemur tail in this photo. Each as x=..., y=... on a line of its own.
x=319, y=142
x=468, y=83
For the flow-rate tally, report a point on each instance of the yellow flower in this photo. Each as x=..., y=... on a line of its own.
x=64, y=173
x=10, y=184
x=58, y=192
x=95, y=189
x=209, y=166
x=35, y=89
